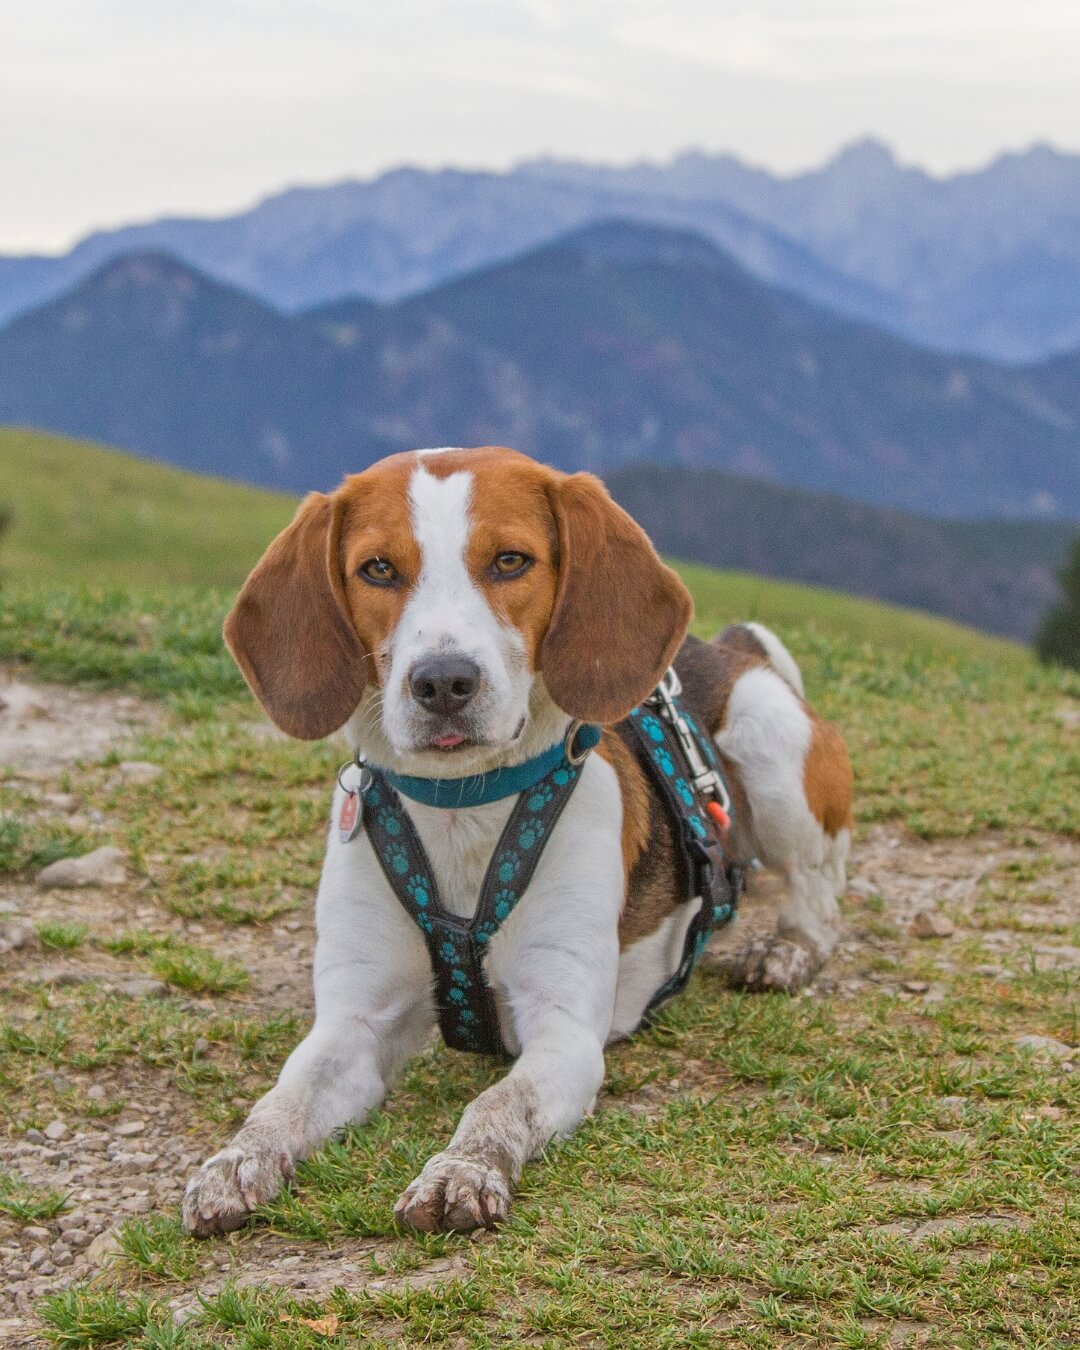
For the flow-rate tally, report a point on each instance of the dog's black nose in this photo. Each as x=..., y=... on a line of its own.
x=444, y=684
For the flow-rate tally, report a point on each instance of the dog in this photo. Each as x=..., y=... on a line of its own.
x=455, y=612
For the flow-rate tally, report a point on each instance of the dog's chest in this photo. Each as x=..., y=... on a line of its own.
x=459, y=846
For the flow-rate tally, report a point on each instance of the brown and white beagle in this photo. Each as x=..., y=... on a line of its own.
x=453, y=611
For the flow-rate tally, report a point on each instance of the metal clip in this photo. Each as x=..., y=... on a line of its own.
x=705, y=779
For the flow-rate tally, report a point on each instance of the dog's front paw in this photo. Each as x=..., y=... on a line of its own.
x=455, y=1195
x=770, y=963
x=228, y=1186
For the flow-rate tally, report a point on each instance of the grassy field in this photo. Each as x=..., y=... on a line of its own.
x=868, y=1167
x=81, y=513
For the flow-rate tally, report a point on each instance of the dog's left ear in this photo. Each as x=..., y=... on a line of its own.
x=619, y=613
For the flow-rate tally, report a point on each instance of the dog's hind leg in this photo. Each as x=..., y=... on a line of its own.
x=796, y=777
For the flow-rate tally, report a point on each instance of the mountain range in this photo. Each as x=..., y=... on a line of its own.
x=985, y=262
x=618, y=343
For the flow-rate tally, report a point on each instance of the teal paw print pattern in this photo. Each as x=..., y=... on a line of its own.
x=398, y=859
x=418, y=890
x=664, y=761
x=704, y=742
x=531, y=833
x=539, y=797
x=508, y=865
x=652, y=728
x=390, y=822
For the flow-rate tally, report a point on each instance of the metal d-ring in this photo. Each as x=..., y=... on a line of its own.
x=366, y=776
x=573, y=756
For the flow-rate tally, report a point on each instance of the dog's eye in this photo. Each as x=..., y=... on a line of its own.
x=378, y=571
x=510, y=564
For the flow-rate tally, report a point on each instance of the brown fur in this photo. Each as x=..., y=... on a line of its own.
x=827, y=778
x=290, y=629
x=619, y=613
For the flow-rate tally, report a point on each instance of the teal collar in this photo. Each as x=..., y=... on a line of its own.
x=481, y=788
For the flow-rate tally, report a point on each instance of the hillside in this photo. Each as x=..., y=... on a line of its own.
x=617, y=344
x=986, y=261
x=82, y=513
x=995, y=575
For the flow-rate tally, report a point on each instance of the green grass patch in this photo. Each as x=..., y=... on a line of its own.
x=29, y=1204
x=199, y=972
x=64, y=937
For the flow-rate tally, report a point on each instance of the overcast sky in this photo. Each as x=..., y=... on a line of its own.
x=116, y=110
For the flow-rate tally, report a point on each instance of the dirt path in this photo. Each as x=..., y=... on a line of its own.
x=135, y=1162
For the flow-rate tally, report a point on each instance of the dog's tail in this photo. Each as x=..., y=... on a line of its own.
x=756, y=638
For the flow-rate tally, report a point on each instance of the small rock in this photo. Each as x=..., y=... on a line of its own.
x=56, y=1130
x=130, y=1127
x=36, y=1234
x=916, y=986
x=61, y=976
x=138, y=771
x=953, y=1103
x=103, y=1248
x=62, y=1254
x=14, y=936
x=1045, y=1047
x=137, y=1204
x=131, y=1164
x=931, y=923
x=22, y=702
x=77, y=1238
x=39, y=1257
x=103, y=867
x=142, y=986
x=64, y=802
x=1069, y=717
x=96, y=1093
x=35, y=1136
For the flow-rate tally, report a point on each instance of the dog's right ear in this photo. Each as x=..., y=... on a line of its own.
x=290, y=630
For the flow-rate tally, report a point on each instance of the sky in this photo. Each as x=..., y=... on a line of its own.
x=119, y=110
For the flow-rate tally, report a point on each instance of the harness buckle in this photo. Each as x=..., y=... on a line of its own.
x=705, y=779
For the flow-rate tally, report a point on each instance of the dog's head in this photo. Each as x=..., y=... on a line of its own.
x=455, y=605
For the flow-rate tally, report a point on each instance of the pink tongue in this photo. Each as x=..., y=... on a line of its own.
x=449, y=742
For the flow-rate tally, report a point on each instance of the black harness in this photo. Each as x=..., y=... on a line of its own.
x=679, y=760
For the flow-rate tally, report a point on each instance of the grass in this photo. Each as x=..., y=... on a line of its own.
x=82, y=512
x=762, y=1172
x=29, y=1204
x=62, y=936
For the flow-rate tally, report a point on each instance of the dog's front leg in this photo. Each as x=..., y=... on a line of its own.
x=373, y=1012
x=337, y=1075
x=550, y=1089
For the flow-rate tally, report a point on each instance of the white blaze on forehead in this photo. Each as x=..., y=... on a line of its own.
x=440, y=521
x=449, y=612
x=440, y=450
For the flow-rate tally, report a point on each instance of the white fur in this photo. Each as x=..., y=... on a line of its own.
x=767, y=733
x=562, y=988
x=779, y=655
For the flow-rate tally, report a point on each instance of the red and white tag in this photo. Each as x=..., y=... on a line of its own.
x=351, y=816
